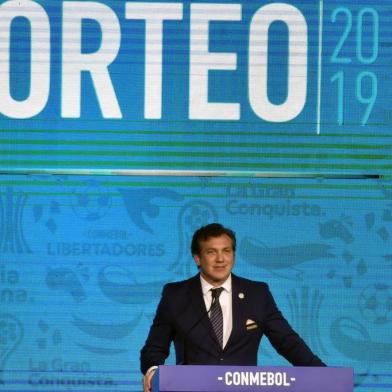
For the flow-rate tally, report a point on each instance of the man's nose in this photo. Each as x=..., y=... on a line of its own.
x=220, y=256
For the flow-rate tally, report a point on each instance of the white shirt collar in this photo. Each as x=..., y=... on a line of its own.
x=206, y=287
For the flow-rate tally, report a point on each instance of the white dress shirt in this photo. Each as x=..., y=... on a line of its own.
x=225, y=300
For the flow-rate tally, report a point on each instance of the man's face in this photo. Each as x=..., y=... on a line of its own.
x=216, y=259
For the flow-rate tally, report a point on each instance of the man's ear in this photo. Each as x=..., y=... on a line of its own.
x=197, y=260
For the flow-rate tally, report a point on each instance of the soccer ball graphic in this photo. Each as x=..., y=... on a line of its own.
x=375, y=303
x=92, y=202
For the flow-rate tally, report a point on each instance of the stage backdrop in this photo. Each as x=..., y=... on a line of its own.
x=127, y=125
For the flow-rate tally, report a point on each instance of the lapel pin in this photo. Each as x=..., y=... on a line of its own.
x=241, y=295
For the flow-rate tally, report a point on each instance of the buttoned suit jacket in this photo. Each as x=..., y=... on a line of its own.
x=182, y=318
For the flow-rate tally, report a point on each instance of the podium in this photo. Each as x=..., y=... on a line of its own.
x=195, y=378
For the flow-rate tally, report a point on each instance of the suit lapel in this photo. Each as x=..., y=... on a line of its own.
x=238, y=310
x=196, y=297
x=200, y=314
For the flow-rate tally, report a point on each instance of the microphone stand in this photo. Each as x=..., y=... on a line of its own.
x=185, y=351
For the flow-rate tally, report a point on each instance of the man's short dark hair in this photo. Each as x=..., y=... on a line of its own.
x=208, y=231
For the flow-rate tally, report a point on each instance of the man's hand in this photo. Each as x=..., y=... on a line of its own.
x=147, y=380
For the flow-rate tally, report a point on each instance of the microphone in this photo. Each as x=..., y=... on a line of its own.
x=206, y=313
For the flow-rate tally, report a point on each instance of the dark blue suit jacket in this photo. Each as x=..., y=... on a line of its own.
x=181, y=317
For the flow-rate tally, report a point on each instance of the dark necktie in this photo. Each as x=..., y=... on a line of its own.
x=217, y=315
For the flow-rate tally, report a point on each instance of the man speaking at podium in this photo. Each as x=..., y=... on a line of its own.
x=216, y=317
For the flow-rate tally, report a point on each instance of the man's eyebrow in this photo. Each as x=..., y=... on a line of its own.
x=216, y=248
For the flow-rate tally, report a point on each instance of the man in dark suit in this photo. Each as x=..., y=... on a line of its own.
x=217, y=317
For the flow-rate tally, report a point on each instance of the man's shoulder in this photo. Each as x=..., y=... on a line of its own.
x=181, y=285
x=249, y=283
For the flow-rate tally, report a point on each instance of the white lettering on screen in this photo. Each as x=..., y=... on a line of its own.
x=201, y=59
